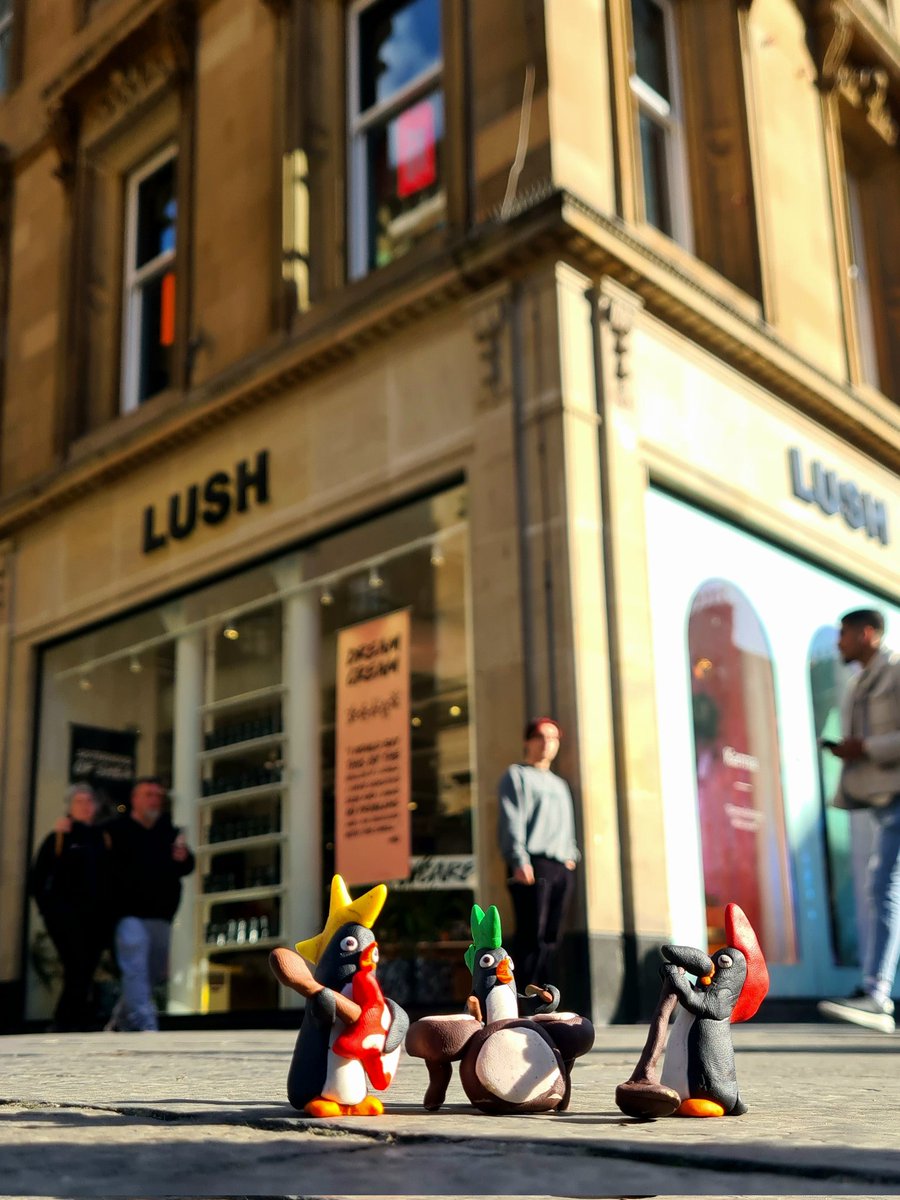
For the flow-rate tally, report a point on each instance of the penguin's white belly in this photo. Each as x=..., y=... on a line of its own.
x=345, y=1079
x=675, y=1066
x=502, y=1004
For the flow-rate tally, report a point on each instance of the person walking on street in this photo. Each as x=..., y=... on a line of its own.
x=70, y=884
x=149, y=858
x=870, y=778
x=537, y=840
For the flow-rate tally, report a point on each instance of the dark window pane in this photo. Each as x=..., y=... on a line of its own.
x=5, y=46
x=657, y=206
x=398, y=39
x=156, y=214
x=404, y=184
x=650, y=46
x=155, y=357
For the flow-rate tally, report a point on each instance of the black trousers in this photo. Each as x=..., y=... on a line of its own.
x=79, y=946
x=540, y=910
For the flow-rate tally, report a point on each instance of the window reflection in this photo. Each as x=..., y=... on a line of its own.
x=738, y=770
x=847, y=834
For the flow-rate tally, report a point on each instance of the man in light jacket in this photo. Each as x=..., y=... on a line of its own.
x=870, y=779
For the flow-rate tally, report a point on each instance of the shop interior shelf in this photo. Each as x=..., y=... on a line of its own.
x=269, y=943
x=247, y=843
x=261, y=789
x=236, y=748
x=244, y=699
x=250, y=893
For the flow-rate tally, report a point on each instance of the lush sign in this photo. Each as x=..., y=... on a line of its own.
x=207, y=503
x=832, y=495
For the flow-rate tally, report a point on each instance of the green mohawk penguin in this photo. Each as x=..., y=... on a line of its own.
x=492, y=969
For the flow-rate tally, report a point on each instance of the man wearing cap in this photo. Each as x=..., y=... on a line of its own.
x=537, y=839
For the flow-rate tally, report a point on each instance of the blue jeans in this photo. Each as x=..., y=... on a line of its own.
x=142, y=950
x=883, y=948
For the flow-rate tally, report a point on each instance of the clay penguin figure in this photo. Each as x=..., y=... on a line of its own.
x=698, y=1076
x=351, y=1034
x=508, y=1061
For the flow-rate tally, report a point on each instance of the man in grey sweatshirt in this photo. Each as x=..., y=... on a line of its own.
x=537, y=839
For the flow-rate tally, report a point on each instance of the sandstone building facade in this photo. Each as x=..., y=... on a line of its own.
x=569, y=327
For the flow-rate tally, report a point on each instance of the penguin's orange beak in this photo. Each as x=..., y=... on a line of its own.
x=504, y=974
x=707, y=979
x=369, y=957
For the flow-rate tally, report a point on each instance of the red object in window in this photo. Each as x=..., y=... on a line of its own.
x=167, y=310
x=416, y=159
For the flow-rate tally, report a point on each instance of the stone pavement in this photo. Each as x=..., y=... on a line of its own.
x=183, y=1114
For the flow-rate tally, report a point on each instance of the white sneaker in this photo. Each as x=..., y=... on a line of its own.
x=862, y=1010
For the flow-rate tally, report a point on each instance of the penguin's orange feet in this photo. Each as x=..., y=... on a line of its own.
x=370, y=1107
x=700, y=1108
x=320, y=1107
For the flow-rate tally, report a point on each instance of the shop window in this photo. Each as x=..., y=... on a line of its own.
x=848, y=835
x=243, y=673
x=738, y=770
x=396, y=129
x=6, y=37
x=149, y=283
x=683, y=129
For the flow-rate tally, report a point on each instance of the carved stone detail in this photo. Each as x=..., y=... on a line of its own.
x=127, y=86
x=830, y=55
x=618, y=314
x=490, y=323
x=62, y=127
x=867, y=88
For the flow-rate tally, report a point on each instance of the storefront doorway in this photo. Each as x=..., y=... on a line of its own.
x=748, y=679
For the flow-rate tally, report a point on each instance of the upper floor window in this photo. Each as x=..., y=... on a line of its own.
x=682, y=132
x=656, y=87
x=396, y=130
x=149, y=307
x=869, y=185
x=6, y=33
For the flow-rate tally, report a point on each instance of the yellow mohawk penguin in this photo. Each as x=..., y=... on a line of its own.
x=350, y=1035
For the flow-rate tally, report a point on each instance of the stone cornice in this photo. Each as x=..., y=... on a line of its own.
x=365, y=313
x=751, y=347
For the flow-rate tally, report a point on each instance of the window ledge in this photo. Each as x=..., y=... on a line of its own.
x=119, y=429
x=698, y=271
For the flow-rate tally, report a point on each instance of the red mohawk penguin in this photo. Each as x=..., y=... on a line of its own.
x=741, y=936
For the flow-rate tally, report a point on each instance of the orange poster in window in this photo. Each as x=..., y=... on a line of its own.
x=167, y=310
x=416, y=161
x=372, y=769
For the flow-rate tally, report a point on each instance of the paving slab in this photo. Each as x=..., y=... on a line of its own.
x=203, y=1114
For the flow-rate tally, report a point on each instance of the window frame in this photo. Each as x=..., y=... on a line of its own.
x=860, y=282
x=359, y=124
x=135, y=279
x=7, y=25
x=669, y=116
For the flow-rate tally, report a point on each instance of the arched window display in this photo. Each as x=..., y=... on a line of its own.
x=738, y=769
x=848, y=835
x=778, y=616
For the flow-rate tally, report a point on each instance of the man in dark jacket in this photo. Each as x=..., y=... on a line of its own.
x=149, y=859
